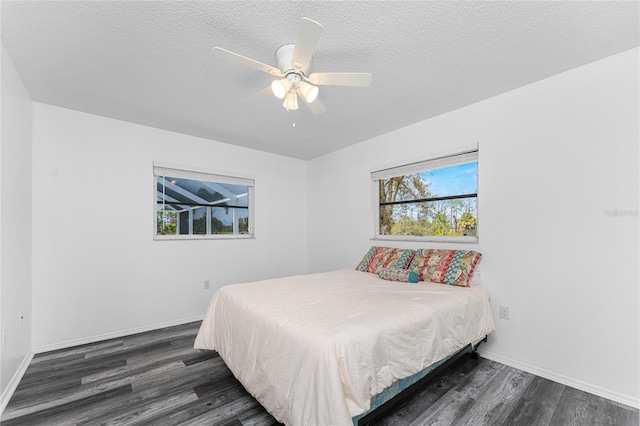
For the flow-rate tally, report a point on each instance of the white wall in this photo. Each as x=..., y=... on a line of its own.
x=97, y=270
x=15, y=222
x=555, y=156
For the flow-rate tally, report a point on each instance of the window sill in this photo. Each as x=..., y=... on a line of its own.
x=436, y=239
x=202, y=237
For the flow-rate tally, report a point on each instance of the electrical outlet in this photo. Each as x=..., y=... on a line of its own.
x=504, y=312
x=4, y=337
x=207, y=284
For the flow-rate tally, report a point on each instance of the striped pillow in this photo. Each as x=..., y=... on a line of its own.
x=399, y=258
x=374, y=259
x=453, y=267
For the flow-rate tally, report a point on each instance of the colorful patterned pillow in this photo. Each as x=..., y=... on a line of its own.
x=374, y=259
x=419, y=261
x=453, y=267
x=398, y=274
x=399, y=258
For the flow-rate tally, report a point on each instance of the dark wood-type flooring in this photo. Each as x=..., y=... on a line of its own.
x=157, y=378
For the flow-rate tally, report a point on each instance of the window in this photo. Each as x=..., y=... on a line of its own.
x=433, y=200
x=197, y=204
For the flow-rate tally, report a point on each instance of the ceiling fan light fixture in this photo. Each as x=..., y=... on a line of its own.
x=280, y=87
x=291, y=101
x=294, y=64
x=308, y=91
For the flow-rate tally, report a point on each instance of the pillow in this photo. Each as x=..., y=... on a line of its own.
x=398, y=274
x=453, y=267
x=419, y=261
x=399, y=258
x=476, y=278
x=374, y=259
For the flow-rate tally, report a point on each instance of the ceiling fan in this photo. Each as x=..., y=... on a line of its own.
x=294, y=62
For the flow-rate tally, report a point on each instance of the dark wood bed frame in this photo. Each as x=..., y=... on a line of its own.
x=417, y=386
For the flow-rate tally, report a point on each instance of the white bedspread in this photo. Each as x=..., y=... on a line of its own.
x=314, y=349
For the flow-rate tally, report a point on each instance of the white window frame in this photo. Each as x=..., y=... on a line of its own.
x=196, y=173
x=459, y=156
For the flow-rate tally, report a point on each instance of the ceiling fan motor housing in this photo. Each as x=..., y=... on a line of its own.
x=284, y=55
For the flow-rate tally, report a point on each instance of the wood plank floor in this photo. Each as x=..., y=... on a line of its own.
x=156, y=378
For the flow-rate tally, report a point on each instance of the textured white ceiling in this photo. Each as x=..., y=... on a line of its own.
x=151, y=62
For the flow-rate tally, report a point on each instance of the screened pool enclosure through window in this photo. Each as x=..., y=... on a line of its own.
x=193, y=204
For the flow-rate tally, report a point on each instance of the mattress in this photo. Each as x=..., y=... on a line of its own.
x=314, y=349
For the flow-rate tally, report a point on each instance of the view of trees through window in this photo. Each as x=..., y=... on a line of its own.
x=166, y=221
x=440, y=202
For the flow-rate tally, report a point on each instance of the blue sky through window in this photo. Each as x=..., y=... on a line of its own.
x=454, y=180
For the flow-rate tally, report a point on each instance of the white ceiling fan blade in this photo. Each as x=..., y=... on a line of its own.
x=306, y=42
x=357, y=79
x=259, y=95
x=315, y=107
x=247, y=62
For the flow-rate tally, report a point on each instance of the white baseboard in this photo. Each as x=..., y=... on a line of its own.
x=114, y=335
x=15, y=380
x=567, y=381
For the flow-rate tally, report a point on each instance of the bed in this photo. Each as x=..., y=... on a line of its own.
x=321, y=349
